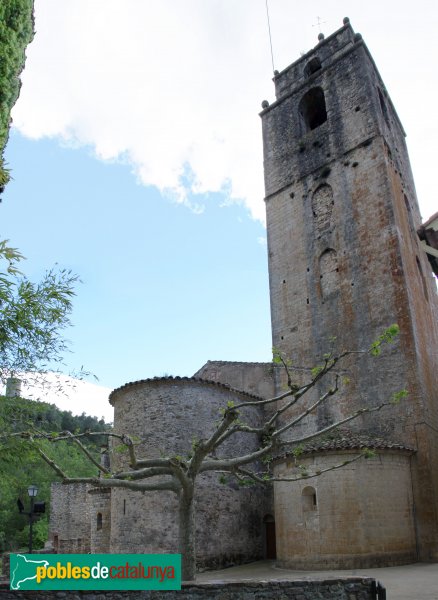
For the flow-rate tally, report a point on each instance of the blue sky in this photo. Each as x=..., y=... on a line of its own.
x=163, y=288
x=137, y=162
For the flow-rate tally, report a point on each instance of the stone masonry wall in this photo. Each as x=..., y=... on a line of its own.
x=100, y=520
x=344, y=256
x=360, y=516
x=330, y=589
x=69, y=528
x=253, y=378
x=168, y=415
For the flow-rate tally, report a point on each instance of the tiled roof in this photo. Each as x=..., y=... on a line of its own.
x=170, y=379
x=348, y=440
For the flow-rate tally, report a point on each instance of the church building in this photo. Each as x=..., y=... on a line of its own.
x=345, y=262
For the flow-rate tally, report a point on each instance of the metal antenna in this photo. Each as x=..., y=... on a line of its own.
x=270, y=37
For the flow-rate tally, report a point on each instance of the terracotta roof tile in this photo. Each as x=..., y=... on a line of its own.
x=178, y=379
x=349, y=440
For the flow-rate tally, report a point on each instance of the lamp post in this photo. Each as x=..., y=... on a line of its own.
x=32, y=490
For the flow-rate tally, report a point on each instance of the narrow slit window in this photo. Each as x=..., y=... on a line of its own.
x=423, y=281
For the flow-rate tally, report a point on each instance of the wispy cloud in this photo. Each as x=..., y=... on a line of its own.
x=162, y=85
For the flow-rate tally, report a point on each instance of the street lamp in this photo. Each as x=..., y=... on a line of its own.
x=32, y=490
x=36, y=510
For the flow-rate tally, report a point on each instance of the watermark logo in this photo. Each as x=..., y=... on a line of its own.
x=95, y=571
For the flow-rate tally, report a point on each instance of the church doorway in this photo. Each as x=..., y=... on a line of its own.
x=270, y=543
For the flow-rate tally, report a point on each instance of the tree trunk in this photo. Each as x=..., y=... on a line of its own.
x=187, y=545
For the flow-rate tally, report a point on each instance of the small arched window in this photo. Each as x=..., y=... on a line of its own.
x=308, y=499
x=312, y=108
x=312, y=66
x=99, y=521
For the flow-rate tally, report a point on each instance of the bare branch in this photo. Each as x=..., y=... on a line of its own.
x=144, y=473
x=264, y=402
x=104, y=482
x=49, y=461
x=298, y=392
x=71, y=436
x=127, y=441
x=154, y=462
x=322, y=432
x=311, y=408
x=319, y=472
x=253, y=476
x=202, y=449
x=214, y=464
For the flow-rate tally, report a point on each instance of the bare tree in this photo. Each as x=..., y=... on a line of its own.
x=274, y=434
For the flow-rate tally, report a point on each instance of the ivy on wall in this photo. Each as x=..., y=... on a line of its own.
x=16, y=32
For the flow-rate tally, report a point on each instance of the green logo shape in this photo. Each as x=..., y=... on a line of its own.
x=95, y=572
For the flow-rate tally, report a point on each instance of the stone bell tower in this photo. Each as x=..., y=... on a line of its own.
x=345, y=261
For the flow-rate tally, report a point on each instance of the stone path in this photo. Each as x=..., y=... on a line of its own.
x=409, y=582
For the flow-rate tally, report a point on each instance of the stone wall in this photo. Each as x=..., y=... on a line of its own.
x=69, y=527
x=359, y=516
x=100, y=520
x=330, y=589
x=344, y=257
x=253, y=378
x=168, y=415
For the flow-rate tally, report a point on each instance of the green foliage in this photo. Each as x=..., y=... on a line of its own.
x=21, y=464
x=297, y=451
x=397, y=396
x=304, y=473
x=267, y=459
x=387, y=337
x=367, y=453
x=32, y=316
x=16, y=31
x=245, y=482
x=40, y=534
x=5, y=175
x=316, y=371
x=278, y=358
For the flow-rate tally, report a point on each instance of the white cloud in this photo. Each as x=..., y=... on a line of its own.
x=171, y=85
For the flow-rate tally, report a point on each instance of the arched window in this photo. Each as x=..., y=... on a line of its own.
x=99, y=521
x=312, y=66
x=308, y=499
x=312, y=108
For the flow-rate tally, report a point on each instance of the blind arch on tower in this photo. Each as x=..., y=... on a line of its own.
x=322, y=207
x=328, y=273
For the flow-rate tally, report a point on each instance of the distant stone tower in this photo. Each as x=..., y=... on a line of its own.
x=345, y=261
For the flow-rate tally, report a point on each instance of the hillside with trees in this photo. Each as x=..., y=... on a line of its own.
x=21, y=465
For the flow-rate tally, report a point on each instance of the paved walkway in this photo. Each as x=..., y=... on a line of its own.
x=409, y=582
